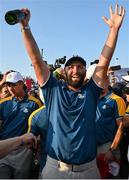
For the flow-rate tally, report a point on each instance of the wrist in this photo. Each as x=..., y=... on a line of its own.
x=25, y=28
x=112, y=151
x=22, y=143
x=114, y=29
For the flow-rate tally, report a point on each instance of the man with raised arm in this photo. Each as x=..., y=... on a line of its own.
x=71, y=105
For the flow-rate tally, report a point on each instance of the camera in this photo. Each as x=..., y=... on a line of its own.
x=14, y=16
x=57, y=63
x=115, y=68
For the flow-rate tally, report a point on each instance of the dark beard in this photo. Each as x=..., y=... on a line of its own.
x=77, y=84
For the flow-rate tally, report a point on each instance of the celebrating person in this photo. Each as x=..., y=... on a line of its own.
x=71, y=105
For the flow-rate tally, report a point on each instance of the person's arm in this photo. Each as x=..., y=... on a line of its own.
x=41, y=69
x=8, y=145
x=114, y=24
x=126, y=120
x=119, y=111
x=117, y=137
x=110, y=153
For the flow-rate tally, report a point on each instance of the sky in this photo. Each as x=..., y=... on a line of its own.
x=61, y=28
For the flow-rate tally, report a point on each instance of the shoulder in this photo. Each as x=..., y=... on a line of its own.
x=93, y=87
x=37, y=101
x=6, y=99
x=37, y=112
x=92, y=82
x=34, y=117
x=52, y=82
x=117, y=98
x=120, y=104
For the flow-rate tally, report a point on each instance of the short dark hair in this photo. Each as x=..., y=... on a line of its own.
x=118, y=87
x=126, y=90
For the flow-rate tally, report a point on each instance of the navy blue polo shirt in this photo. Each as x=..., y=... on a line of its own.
x=71, y=132
x=38, y=125
x=110, y=109
x=14, y=115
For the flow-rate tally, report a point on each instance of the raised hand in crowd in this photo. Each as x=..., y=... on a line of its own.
x=114, y=22
x=116, y=17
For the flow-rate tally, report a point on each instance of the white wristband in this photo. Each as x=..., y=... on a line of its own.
x=25, y=28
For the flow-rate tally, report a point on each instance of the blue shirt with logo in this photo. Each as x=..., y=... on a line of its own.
x=110, y=109
x=71, y=131
x=14, y=115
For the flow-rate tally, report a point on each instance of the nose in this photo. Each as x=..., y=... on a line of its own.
x=75, y=69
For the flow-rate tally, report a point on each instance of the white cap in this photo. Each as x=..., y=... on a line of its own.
x=126, y=78
x=90, y=71
x=14, y=77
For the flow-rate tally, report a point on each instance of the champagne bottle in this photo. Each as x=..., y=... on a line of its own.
x=14, y=16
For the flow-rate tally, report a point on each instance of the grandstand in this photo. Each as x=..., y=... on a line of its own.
x=120, y=73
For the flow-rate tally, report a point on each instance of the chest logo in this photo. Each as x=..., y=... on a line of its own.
x=81, y=96
x=104, y=106
x=25, y=110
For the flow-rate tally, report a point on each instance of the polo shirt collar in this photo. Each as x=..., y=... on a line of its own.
x=65, y=86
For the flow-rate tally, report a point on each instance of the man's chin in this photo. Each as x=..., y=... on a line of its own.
x=76, y=84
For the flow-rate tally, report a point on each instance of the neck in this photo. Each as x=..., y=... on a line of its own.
x=73, y=88
x=105, y=93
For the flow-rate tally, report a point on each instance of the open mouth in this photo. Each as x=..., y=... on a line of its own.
x=75, y=78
